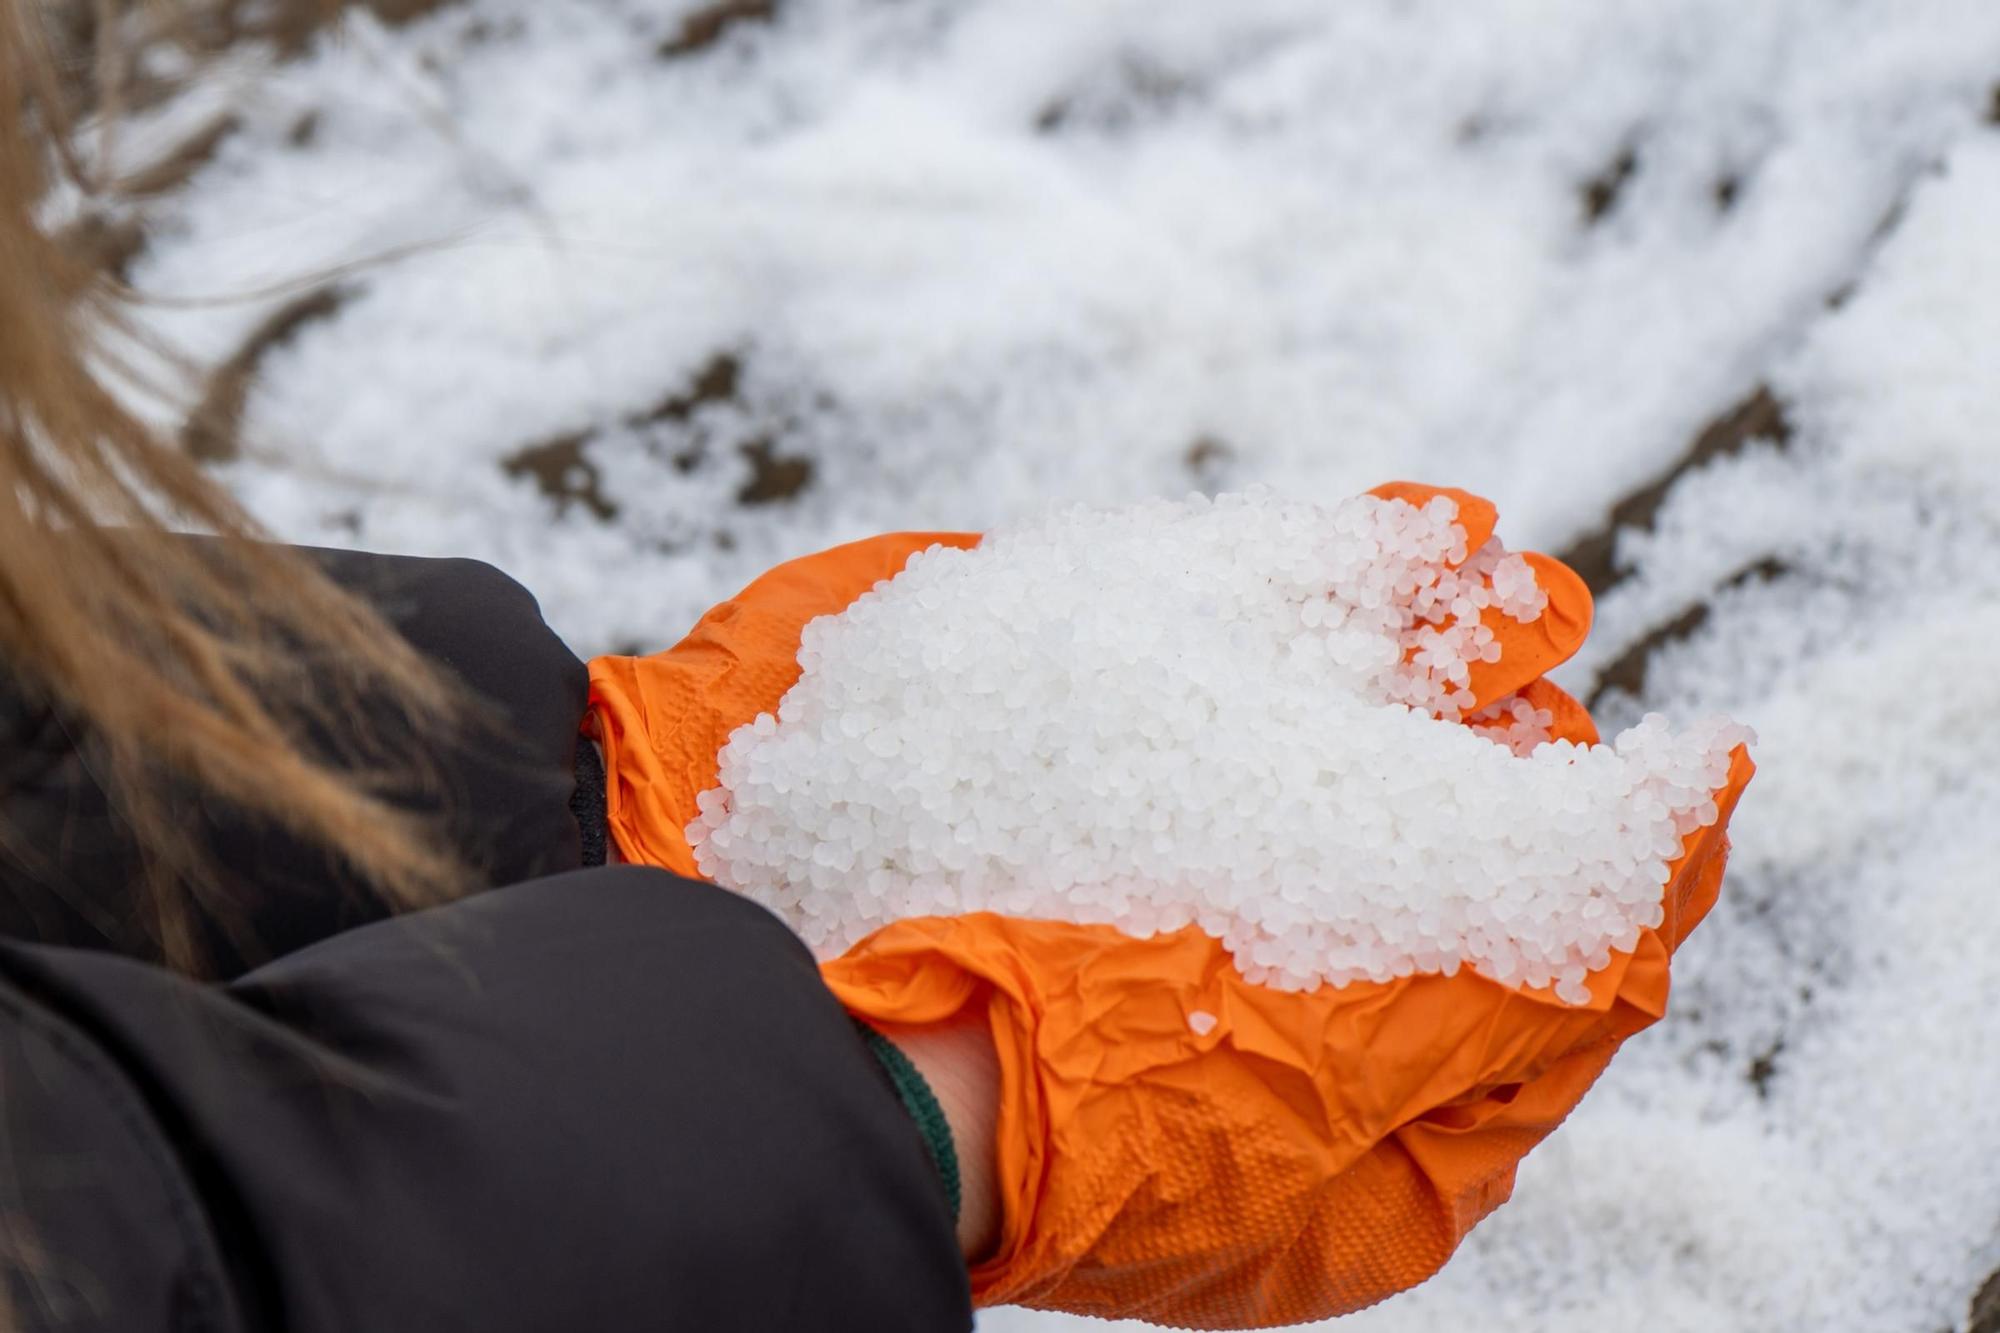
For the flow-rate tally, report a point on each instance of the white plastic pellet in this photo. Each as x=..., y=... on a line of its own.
x=1241, y=714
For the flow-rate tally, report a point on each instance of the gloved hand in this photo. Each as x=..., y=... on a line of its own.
x=1176, y=1143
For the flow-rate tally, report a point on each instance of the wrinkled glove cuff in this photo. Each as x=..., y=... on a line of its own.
x=922, y=1104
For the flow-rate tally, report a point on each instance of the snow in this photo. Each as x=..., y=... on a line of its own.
x=971, y=259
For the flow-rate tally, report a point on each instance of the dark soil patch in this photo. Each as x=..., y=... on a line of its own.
x=1208, y=461
x=1993, y=107
x=1628, y=672
x=561, y=471
x=1886, y=227
x=1892, y=218
x=1758, y=417
x=105, y=242
x=1602, y=191
x=213, y=430
x=1763, y=1069
x=718, y=381
x=483, y=30
x=187, y=157
x=561, y=468
x=116, y=75
x=1140, y=86
x=1984, y=1316
x=72, y=29
x=1728, y=188
x=109, y=239
x=198, y=28
x=773, y=476
x=291, y=24
x=707, y=26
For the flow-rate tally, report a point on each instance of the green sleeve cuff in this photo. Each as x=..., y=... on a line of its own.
x=922, y=1104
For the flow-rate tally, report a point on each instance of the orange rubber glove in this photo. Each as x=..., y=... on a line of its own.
x=1175, y=1143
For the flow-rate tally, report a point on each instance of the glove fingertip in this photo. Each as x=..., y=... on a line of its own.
x=1566, y=621
x=1476, y=514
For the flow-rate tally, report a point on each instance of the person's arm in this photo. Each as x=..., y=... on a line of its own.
x=611, y=1099
x=499, y=786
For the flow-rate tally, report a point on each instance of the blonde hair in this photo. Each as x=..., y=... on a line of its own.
x=178, y=662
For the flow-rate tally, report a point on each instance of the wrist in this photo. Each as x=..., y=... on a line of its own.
x=957, y=1062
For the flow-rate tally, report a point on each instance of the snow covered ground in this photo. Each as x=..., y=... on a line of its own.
x=634, y=314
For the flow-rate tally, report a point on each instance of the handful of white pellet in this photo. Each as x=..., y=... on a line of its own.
x=1242, y=714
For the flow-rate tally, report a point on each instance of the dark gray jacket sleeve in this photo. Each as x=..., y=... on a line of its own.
x=498, y=788
x=608, y=1100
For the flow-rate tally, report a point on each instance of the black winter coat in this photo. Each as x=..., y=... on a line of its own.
x=601, y=1099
